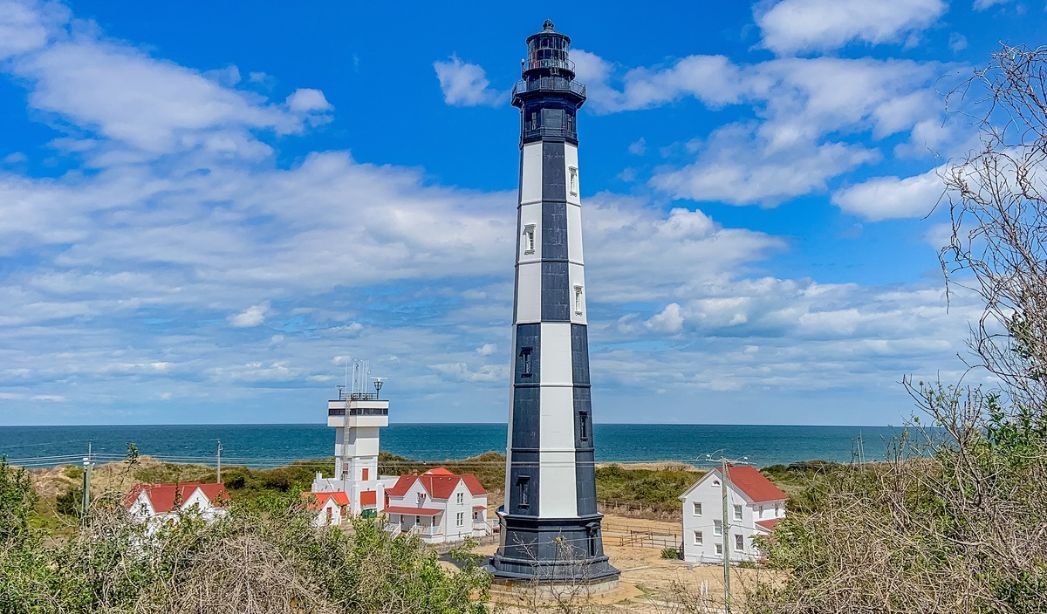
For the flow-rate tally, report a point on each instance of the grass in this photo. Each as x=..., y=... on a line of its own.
x=652, y=490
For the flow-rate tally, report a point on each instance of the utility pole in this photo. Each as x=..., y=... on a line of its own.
x=219, y=478
x=725, y=520
x=725, y=534
x=86, y=501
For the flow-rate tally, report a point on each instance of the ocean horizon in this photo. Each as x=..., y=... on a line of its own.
x=269, y=445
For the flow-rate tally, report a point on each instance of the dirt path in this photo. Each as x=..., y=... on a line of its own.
x=648, y=582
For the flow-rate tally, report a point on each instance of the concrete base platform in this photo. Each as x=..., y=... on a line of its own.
x=514, y=591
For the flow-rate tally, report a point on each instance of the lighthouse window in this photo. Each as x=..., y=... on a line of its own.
x=583, y=425
x=578, y=300
x=525, y=355
x=574, y=169
x=529, y=239
x=522, y=483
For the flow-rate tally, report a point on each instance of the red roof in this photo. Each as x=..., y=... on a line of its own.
x=753, y=483
x=479, y=507
x=320, y=499
x=369, y=497
x=768, y=524
x=439, y=483
x=473, y=484
x=163, y=496
x=402, y=484
x=417, y=511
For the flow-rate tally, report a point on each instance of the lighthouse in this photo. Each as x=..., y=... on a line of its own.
x=550, y=529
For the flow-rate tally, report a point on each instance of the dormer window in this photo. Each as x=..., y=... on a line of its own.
x=528, y=239
x=573, y=180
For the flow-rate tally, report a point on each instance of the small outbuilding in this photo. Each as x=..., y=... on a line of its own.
x=331, y=507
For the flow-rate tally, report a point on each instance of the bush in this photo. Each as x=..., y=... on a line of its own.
x=670, y=553
x=265, y=556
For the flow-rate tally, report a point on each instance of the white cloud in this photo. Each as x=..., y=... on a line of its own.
x=981, y=5
x=809, y=113
x=792, y=26
x=464, y=84
x=668, y=320
x=487, y=349
x=26, y=25
x=638, y=147
x=308, y=100
x=714, y=79
x=892, y=197
x=738, y=168
x=252, y=316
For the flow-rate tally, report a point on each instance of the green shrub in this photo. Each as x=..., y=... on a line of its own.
x=670, y=553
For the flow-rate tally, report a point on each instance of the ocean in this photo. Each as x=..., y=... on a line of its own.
x=268, y=445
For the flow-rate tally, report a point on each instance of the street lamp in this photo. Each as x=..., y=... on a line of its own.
x=378, y=386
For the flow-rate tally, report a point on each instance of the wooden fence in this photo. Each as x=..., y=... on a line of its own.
x=640, y=536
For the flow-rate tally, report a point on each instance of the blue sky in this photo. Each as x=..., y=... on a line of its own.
x=205, y=208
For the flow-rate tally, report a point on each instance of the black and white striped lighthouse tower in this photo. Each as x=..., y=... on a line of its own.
x=550, y=528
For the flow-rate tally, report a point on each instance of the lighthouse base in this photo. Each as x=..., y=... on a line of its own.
x=552, y=550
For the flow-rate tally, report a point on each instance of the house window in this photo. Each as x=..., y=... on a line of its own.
x=460, y=498
x=528, y=235
x=330, y=515
x=761, y=511
x=717, y=527
x=775, y=510
x=697, y=538
x=719, y=548
x=697, y=508
x=421, y=498
x=364, y=472
x=525, y=355
x=522, y=483
x=583, y=425
x=739, y=542
x=737, y=512
x=574, y=180
x=578, y=300
x=716, y=483
x=460, y=519
x=417, y=520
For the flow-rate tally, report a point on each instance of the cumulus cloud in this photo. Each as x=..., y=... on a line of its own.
x=792, y=26
x=809, y=111
x=737, y=167
x=884, y=198
x=464, y=84
x=252, y=316
x=308, y=100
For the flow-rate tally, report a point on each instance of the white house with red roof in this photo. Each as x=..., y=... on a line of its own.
x=755, y=505
x=438, y=506
x=331, y=508
x=160, y=503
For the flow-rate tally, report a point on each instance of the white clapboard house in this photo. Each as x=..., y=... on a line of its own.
x=156, y=504
x=438, y=506
x=754, y=506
